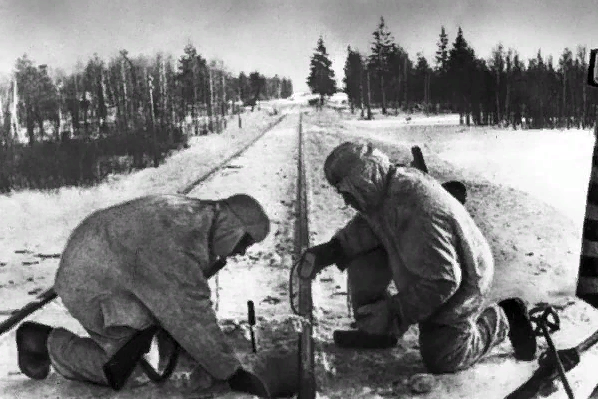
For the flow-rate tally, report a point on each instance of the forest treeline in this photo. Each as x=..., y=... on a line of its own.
x=504, y=89
x=109, y=116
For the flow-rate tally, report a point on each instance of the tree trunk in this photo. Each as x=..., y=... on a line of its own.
x=406, y=83
x=383, y=93
x=584, y=108
x=369, y=97
x=507, y=106
x=361, y=92
x=211, y=105
x=125, y=96
x=153, y=120
x=223, y=99
x=30, y=124
x=565, y=114
x=498, y=115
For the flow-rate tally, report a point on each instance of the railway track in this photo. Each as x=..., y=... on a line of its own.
x=306, y=377
x=307, y=381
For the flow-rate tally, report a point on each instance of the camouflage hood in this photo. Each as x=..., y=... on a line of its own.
x=240, y=214
x=359, y=170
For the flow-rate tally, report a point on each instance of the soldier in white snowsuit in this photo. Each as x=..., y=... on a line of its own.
x=409, y=229
x=141, y=263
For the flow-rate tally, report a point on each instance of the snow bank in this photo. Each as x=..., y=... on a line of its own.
x=405, y=119
x=43, y=220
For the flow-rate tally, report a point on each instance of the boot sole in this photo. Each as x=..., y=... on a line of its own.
x=34, y=364
x=523, y=338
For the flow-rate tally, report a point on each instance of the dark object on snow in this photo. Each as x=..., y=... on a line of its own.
x=593, y=68
x=521, y=331
x=270, y=376
x=457, y=190
x=251, y=320
x=418, y=159
x=120, y=367
x=551, y=366
x=33, y=356
x=363, y=340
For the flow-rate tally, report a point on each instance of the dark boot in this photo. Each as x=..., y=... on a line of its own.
x=363, y=340
x=33, y=356
x=243, y=381
x=521, y=332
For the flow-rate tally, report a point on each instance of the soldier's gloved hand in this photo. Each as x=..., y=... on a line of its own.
x=325, y=255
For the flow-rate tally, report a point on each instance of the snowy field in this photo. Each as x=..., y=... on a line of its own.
x=526, y=191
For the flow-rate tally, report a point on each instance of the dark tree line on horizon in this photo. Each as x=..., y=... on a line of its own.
x=58, y=128
x=501, y=90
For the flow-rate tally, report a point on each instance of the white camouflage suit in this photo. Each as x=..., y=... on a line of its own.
x=142, y=263
x=429, y=245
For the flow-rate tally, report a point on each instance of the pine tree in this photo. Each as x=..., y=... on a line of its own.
x=441, y=67
x=442, y=54
x=286, y=88
x=244, y=90
x=382, y=49
x=461, y=65
x=422, y=74
x=497, y=64
x=352, y=80
x=321, y=76
x=257, y=83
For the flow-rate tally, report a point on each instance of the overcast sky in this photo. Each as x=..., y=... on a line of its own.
x=278, y=36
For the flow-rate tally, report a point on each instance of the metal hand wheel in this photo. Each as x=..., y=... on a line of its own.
x=544, y=317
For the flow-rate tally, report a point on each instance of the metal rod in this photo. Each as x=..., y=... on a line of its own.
x=559, y=364
x=251, y=320
x=307, y=381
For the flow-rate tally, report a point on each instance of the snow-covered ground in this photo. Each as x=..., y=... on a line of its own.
x=526, y=191
x=36, y=223
x=551, y=165
x=535, y=236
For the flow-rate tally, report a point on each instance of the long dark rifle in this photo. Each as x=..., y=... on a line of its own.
x=18, y=315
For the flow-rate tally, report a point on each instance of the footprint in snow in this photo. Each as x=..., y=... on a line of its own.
x=271, y=300
x=30, y=263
